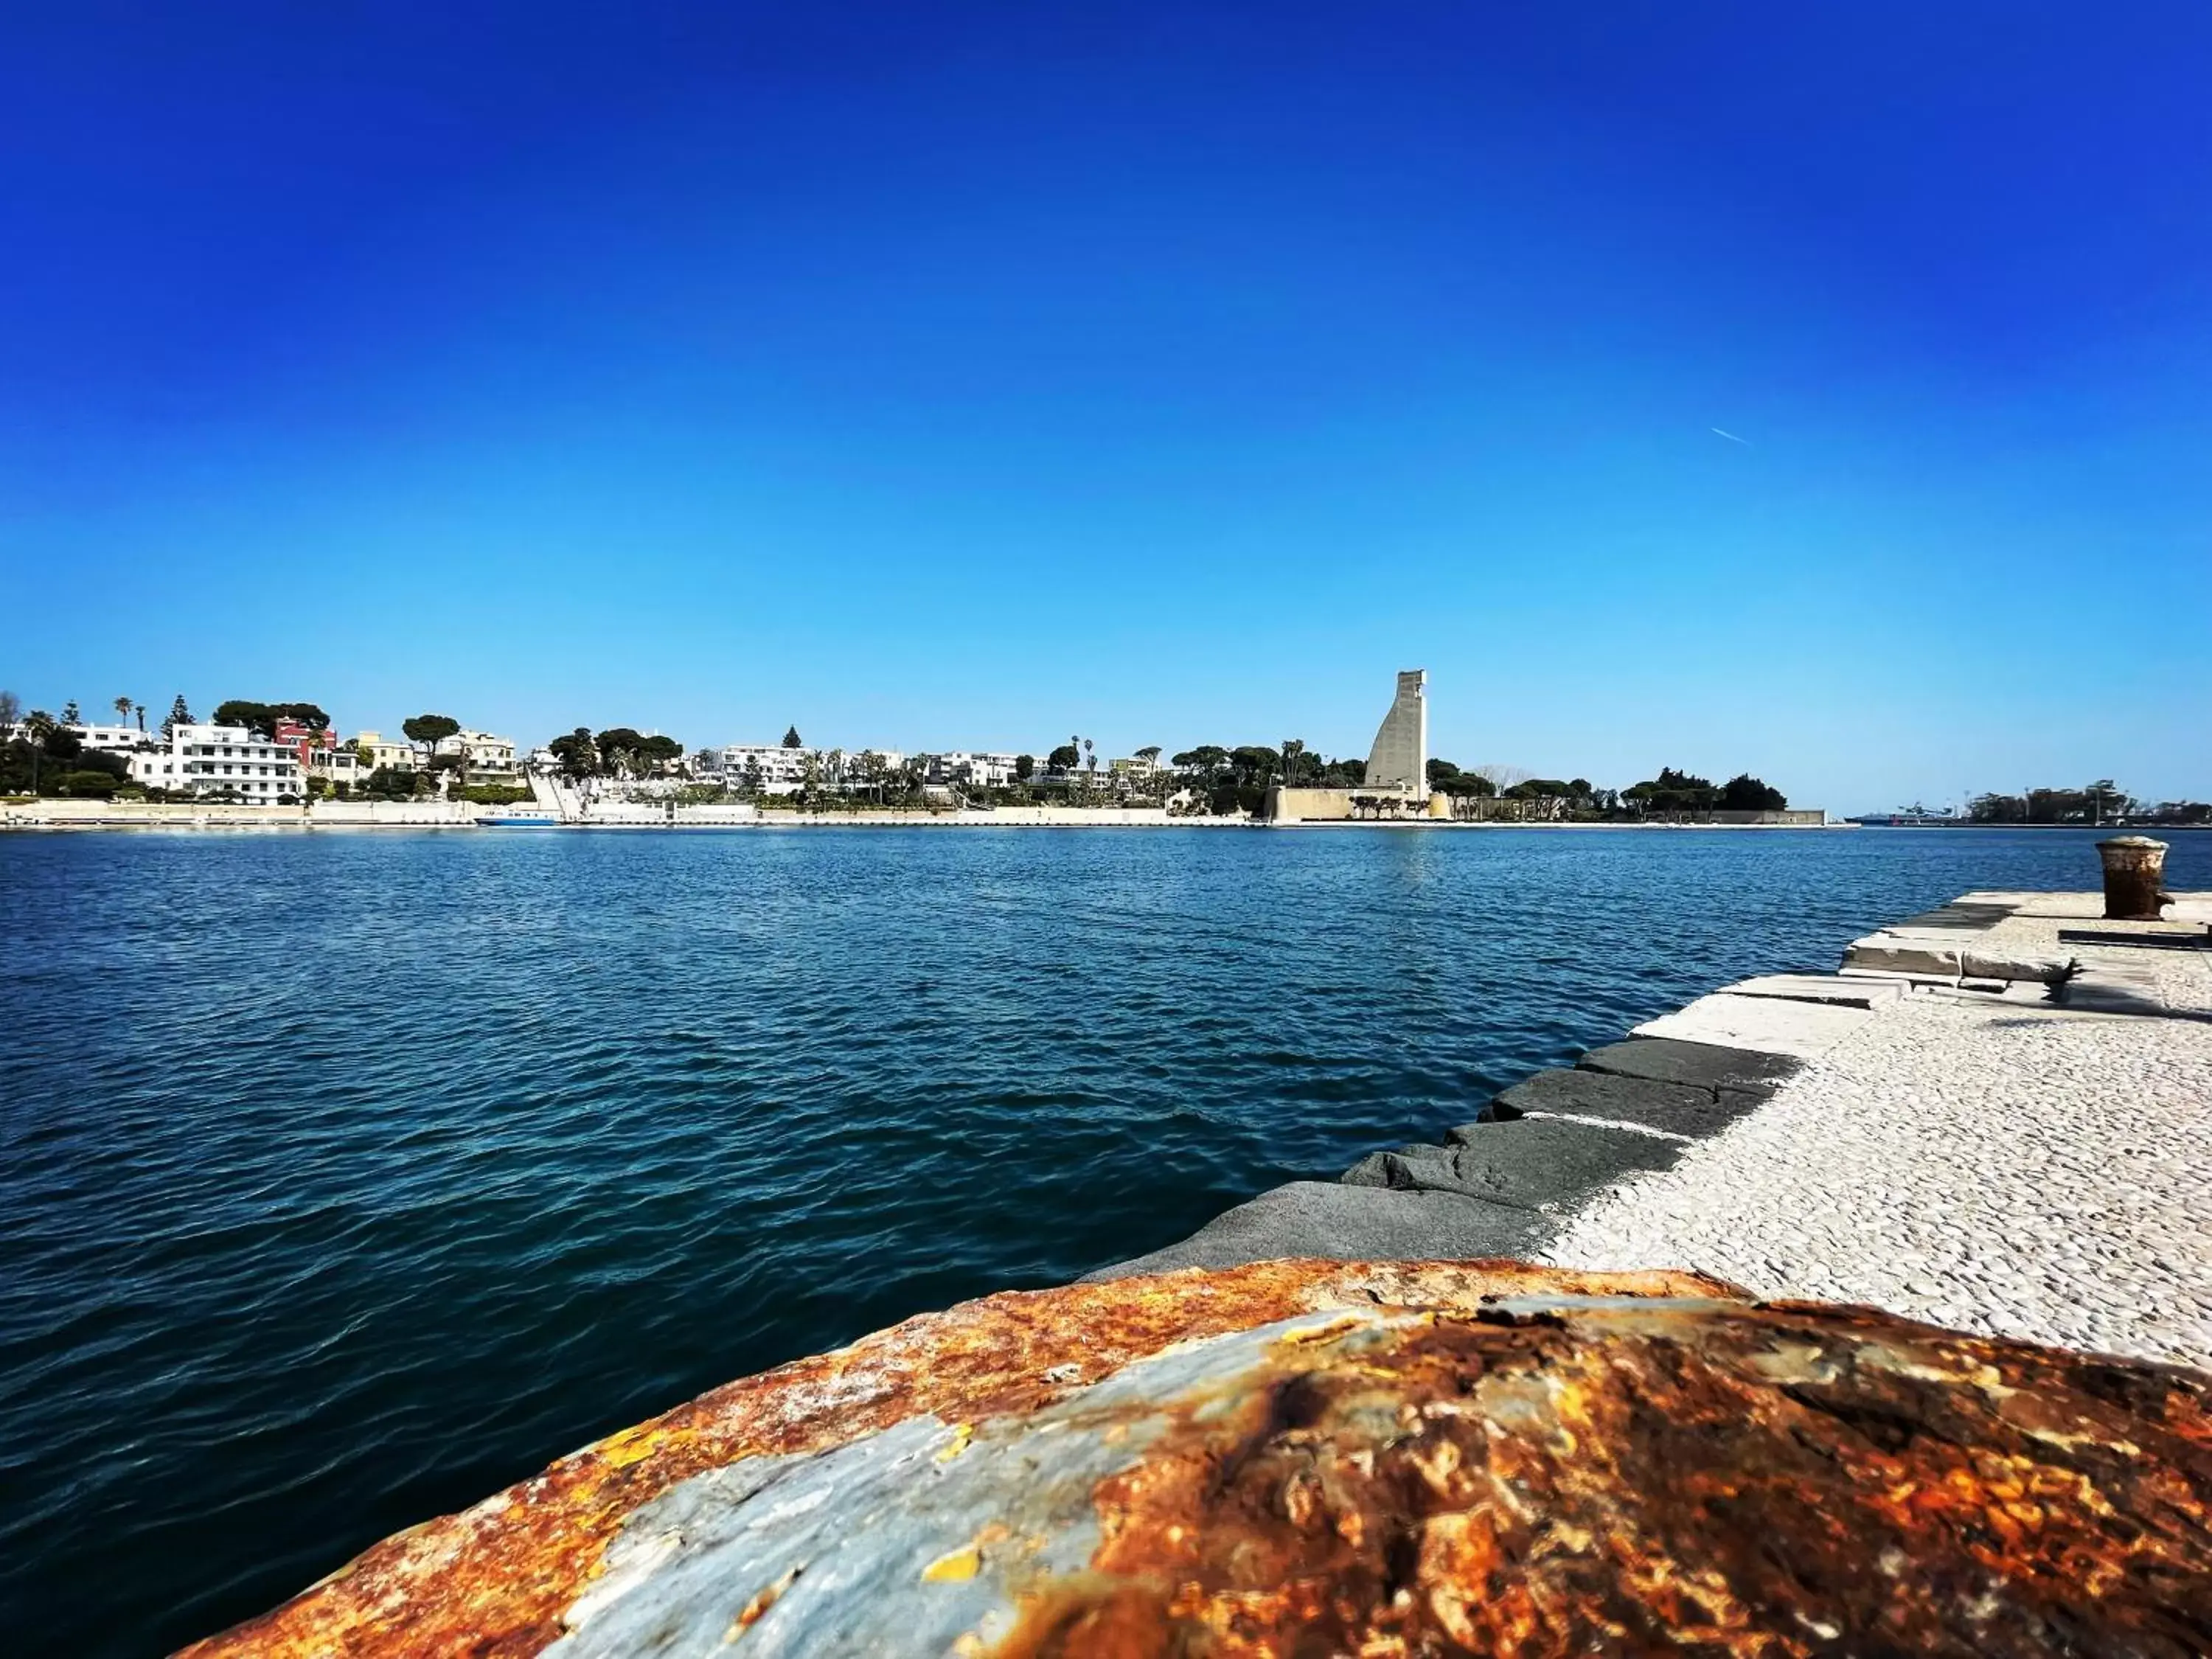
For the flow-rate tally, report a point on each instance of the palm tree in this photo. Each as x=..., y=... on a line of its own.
x=123, y=709
x=139, y=709
x=38, y=726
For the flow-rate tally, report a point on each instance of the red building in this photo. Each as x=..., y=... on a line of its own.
x=303, y=740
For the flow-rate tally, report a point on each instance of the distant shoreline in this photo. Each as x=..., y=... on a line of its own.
x=72, y=816
x=87, y=815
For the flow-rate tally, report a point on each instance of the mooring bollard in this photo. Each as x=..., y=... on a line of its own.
x=2134, y=870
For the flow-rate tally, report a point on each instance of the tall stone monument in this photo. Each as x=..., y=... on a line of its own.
x=1396, y=783
x=1399, y=762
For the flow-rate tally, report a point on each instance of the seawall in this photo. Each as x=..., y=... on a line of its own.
x=1992, y=1115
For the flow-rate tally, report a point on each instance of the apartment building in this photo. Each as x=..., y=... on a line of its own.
x=972, y=770
x=115, y=739
x=783, y=771
x=374, y=751
x=490, y=758
x=221, y=760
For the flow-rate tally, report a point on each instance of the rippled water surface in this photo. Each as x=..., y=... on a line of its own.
x=346, y=1177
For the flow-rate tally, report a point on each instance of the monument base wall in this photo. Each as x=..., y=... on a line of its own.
x=1309, y=806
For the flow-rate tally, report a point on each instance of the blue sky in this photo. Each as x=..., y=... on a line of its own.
x=972, y=375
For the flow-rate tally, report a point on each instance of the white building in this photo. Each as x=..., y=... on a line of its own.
x=784, y=771
x=339, y=766
x=221, y=760
x=490, y=758
x=972, y=770
x=780, y=771
x=115, y=739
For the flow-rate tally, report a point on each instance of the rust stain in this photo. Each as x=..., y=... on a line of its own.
x=493, y=1581
x=1598, y=1480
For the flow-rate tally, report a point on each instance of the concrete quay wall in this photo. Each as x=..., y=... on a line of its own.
x=1993, y=1117
x=178, y=815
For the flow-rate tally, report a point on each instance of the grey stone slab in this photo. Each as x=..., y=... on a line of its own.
x=1806, y=1029
x=1891, y=953
x=1818, y=987
x=1532, y=1163
x=1960, y=916
x=1680, y=1108
x=1702, y=1065
x=1978, y=963
x=1339, y=1223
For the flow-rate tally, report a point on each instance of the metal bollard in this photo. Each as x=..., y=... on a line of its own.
x=2135, y=870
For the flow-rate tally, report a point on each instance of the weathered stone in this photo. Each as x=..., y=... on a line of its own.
x=1806, y=1029
x=1331, y=1221
x=1979, y=961
x=1376, y=1458
x=1705, y=1065
x=1547, y=1162
x=1818, y=987
x=1531, y=1163
x=1891, y=953
x=1680, y=1108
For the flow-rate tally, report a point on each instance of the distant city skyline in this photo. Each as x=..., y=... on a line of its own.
x=1725, y=387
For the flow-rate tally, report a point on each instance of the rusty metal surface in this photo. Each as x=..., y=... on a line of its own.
x=1379, y=1459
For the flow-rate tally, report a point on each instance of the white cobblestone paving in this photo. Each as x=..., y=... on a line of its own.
x=1999, y=1168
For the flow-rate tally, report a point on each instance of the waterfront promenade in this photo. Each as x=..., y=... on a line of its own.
x=2002, y=1133
x=2014, y=1164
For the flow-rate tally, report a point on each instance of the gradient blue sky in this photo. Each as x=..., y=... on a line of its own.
x=951, y=375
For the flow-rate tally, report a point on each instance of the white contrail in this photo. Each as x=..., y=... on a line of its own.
x=1732, y=438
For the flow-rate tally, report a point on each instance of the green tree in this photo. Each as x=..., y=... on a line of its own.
x=123, y=710
x=258, y=718
x=791, y=738
x=38, y=727
x=622, y=750
x=395, y=783
x=1252, y=764
x=179, y=715
x=426, y=732
x=11, y=709
x=1065, y=758
x=139, y=709
x=309, y=715
x=1745, y=794
x=1024, y=767
x=70, y=715
x=578, y=753
x=1674, y=792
